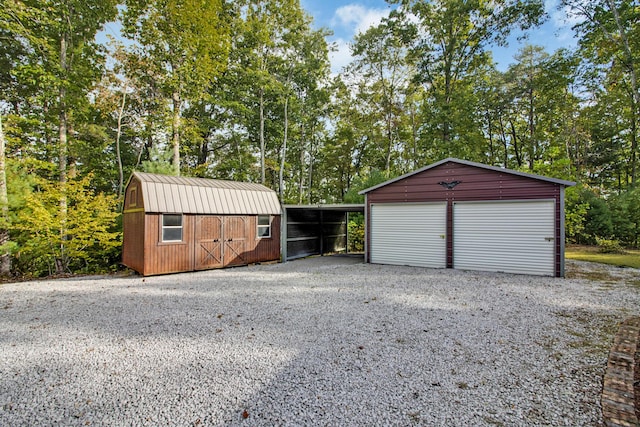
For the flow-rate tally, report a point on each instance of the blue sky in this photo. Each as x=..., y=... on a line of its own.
x=346, y=17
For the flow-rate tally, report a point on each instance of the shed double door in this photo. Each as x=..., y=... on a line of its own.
x=220, y=241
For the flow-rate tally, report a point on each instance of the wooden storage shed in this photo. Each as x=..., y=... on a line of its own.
x=470, y=216
x=175, y=224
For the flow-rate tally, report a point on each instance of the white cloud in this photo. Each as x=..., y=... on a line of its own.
x=341, y=56
x=562, y=21
x=347, y=21
x=358, y=18
x=562, y=17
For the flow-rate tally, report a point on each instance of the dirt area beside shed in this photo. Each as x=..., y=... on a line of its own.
x=319, y=341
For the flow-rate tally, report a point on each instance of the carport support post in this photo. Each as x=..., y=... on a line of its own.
x=283, y=234
x=321, y=233
x=562, y=232
x=346, y=232
x=449, y=233
x=366, y=228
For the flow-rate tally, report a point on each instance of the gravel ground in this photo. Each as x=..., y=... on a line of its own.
x=321, y=341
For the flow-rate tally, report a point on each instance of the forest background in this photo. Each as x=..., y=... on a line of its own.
x=243, y=90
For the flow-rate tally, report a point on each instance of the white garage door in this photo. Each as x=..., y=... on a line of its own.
x=409, y=234
x=513, y=237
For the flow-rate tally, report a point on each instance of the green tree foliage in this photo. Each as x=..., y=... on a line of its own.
x=92, y=241
x=610, y=45
x=449, y=40
x=626, y=217
x=242, y=90
x=184, y=46
x=575, y=214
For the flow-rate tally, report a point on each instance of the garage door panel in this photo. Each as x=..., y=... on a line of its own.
x=409, y=234
x=514, y=237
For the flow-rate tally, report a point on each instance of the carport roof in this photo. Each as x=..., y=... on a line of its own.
x=355, y=207
x=174, y=194
x=474, y=164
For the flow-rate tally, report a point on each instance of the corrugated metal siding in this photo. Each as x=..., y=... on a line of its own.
x=473, y=165
x=172, y=194
x=476, y=184
x=512, y=237
x=408, y=234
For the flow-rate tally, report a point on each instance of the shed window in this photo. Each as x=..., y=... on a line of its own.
x=264, y=226
x=133, y=196
x=171, y=227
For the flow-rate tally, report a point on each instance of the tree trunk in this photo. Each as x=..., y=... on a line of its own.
x=262, y=149
x=387, y=164
x=301, y=180
x=634, y=145
x=5, y=255
x=284, y=149
x=505, y=143
x=311, y=158
x=118, y=154
x=175, y=137
x=62, y=161
x=147, y=145
x=490, y=132
x=414, y=136
x=516, y=148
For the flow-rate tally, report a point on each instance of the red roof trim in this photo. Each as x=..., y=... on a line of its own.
x=474, y=164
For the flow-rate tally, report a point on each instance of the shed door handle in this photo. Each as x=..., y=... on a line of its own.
x=549, y=239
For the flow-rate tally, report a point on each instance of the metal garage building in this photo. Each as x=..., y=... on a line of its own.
x=470, y=216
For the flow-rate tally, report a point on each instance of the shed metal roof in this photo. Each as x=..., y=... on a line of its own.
x=174, y=194
x=474, y=164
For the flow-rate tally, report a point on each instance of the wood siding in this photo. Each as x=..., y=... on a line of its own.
x=208, y=241
x=475, y=184
x=168, y=257
x=133, y=240
x=133, y=196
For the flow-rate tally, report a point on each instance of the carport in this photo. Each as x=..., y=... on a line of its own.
x=315, y=229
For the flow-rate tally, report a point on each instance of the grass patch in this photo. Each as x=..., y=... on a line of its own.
x=591, y=253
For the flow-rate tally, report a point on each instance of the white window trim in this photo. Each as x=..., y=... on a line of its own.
x=263, y=226
x=163, y=227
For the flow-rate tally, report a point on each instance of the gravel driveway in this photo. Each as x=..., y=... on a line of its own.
x=321, y=341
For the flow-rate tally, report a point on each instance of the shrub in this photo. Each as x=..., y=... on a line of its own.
x=607, y=246
x=356, y=236
x=91, y=241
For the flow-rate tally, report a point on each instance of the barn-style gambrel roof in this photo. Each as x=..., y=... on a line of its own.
x=173, y=194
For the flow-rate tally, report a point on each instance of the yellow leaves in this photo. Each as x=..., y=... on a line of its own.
x=86, y=230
